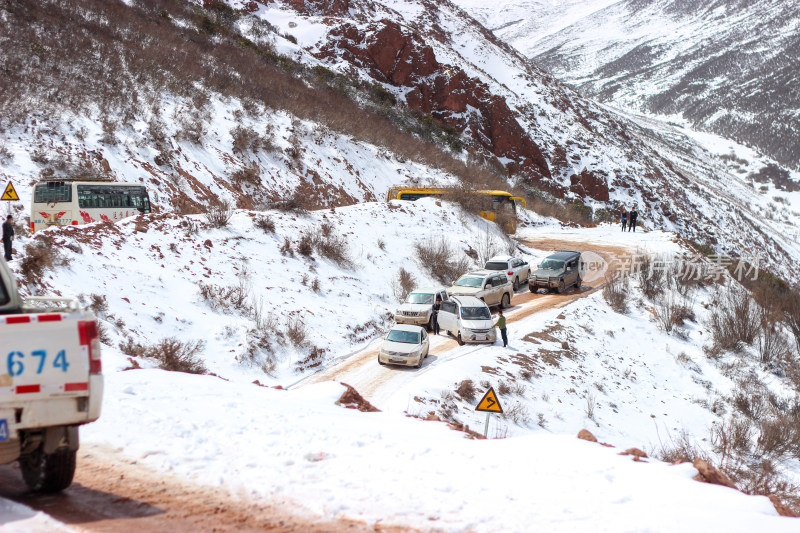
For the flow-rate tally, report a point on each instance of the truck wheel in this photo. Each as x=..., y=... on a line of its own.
x=48, y=472
x=578, y=283
x=516, y=284
x=561, y=287
x=532, y=288
x=459, y=340
x=505, y=301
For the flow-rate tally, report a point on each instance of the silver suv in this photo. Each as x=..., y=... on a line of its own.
x=418, y=307
x=559, y=271
x=490, y=286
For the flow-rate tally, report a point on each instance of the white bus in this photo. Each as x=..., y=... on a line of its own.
x=65, y=203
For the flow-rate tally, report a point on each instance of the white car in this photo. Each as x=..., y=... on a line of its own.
x=418, y=307
x=515, y=268
x=488, y=285
x=468, y=319
x=404, y=345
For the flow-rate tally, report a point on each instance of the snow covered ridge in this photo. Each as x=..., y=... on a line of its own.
x=194, y=142
x=725, y=66
x=435, y=58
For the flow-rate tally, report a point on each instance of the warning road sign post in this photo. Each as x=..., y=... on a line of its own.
x=9, y=193
x=489, y=404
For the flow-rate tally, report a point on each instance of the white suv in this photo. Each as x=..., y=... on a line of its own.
x=515, y=268
x=488, y=285
x=418, y=307
x=468, y=319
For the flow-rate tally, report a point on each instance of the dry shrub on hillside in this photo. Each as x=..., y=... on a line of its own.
x=734, y=321
x=466, y=390
x=39, y=256
x=440, y=260
x=305, y=245
x=249, y=175
x=671, y=312
x=403, y=284
x=293, y=203
x=616, y=291
x=218, y=213
x=790, y=308
x=178, y=356
x=265, y=224
x=651, y=274
x=249, y=140
x=331, y=245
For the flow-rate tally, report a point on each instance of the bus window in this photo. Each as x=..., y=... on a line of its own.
x=503, y=202
x=52, y=192
x=416, y=196
x=113, y=196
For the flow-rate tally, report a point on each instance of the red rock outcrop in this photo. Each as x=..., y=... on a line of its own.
x=590, y=184
x=399, y=57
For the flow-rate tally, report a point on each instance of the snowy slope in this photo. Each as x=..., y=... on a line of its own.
x=387, y=469
x=669, y=174
x=151, y=273
x=725, y=66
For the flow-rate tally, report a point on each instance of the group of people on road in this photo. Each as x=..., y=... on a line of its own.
x=628, y=219
x=8, y=237
x=500, y=324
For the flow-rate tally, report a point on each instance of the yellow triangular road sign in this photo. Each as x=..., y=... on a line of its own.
x=489, y=403
x=9, y=193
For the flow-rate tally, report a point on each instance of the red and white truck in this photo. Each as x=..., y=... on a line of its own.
x=51, y=382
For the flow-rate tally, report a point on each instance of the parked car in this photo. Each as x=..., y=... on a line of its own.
x=515, y=268
x=468, y=319
x=559, y=271
x=487, y=285
x=404, y=345
x=418, y=307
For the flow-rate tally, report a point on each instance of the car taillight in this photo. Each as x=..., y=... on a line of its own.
x=510, y=273
x=87, y=332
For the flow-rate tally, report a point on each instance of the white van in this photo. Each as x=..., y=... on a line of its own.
x=468, y=319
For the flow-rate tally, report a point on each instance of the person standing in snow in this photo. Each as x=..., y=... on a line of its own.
x=623, y=217
x=634, y=216
x=8, y=237
x=435, y=315
x=501, y=325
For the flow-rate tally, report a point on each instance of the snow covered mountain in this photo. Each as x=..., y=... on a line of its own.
x=727, y=66
x=336, y=101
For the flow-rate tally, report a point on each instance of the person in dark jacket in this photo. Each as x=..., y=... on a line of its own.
x=623, y=217
x=634, y=216
x=8, y=237
x=435, y=315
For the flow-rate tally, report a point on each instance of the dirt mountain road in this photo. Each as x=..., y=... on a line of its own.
x=377, y=383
